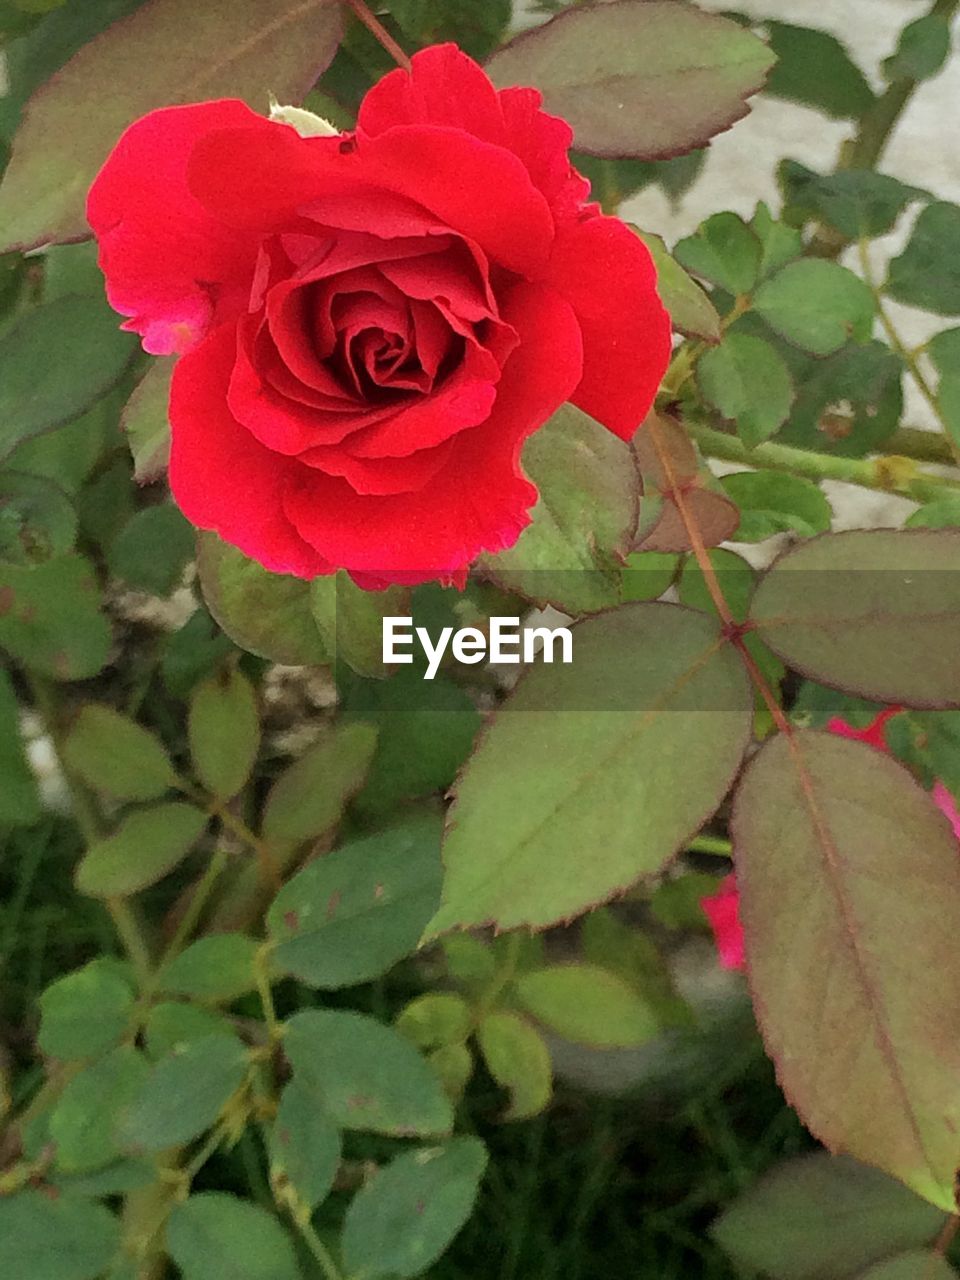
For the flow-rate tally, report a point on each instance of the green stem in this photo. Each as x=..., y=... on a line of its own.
x=874, y=130
x=261, y=966
x=719, y=845
x=130, y=931
x=126, y=921
x=888, y=474
x=908, y=357
x=319, y=1250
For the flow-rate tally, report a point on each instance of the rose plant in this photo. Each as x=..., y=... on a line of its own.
x=319, y=934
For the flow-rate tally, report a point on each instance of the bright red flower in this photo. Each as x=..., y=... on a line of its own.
x=371, y=324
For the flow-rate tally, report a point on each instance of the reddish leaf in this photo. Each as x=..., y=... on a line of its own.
x=645, y=78
x=850, y=899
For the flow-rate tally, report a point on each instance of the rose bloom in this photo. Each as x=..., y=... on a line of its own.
x=722, y=908
x=371, y=324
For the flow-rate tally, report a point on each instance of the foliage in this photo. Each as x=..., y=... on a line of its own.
x=301, y=950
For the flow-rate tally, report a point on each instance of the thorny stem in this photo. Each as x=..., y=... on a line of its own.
x=702, y=557
x=908, y=357
x=689, y=523
x=873, y=133
x=269, y=872
x=380, y=33
x=890, y=474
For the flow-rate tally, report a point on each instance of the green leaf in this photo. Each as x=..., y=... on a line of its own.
x=113, y=754
x=632, y=955
x=519, y=1060
x=85, y=1117
x=115, y=1179
x=691, y=311
x=583, y=522
x=425, y=729
x=85, y=1012
x=944, y=350
x=813, y=68
x=265, y=613
x=401, y=1221
x=816, y=304
x=304, y=1147
x=196, y=650
x=69, y=454
x=215, y=1236
x=152, y=549
x=779, y=243
x=836, y=836
x=19, y=797
x=350, y=916
x=855, y=202
x=923, y=48
x=746, y=382
x=146, y=423
x=55, y=1238
x=185, y=1093
x=55, y=363
x=106, y=503
x=818, y=1216
x=453, y=1064
x=170, y=1026
x=67, y=133
x=365, y=1075
x=223, y=729
x=723, y=250
x=476, y=28
x=873, y=612
x=217, y=969
x=771, y=502
x=648, y=80
x=41, y=51
x=647, y=575
x=37, y=519
x=927, y=273
x=943, y=513
x=565, y=802
x=434, y=1019
x=50, y=619
x=349, y=620
x=309, y=798
x=908, y=1266
x=849, y=403
x=147, y=845
x=585, y=1003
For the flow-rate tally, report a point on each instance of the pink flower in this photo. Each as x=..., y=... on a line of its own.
x=722, y=908
x=945, y=802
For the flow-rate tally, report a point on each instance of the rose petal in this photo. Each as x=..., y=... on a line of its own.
x=220, y=476
x=543, y=142
x=480, y=499
x=445, y=87
x=170, y=265
x=480, y=190
x=607, y=275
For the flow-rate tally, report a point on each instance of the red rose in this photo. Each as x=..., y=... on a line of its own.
x=371, y=324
